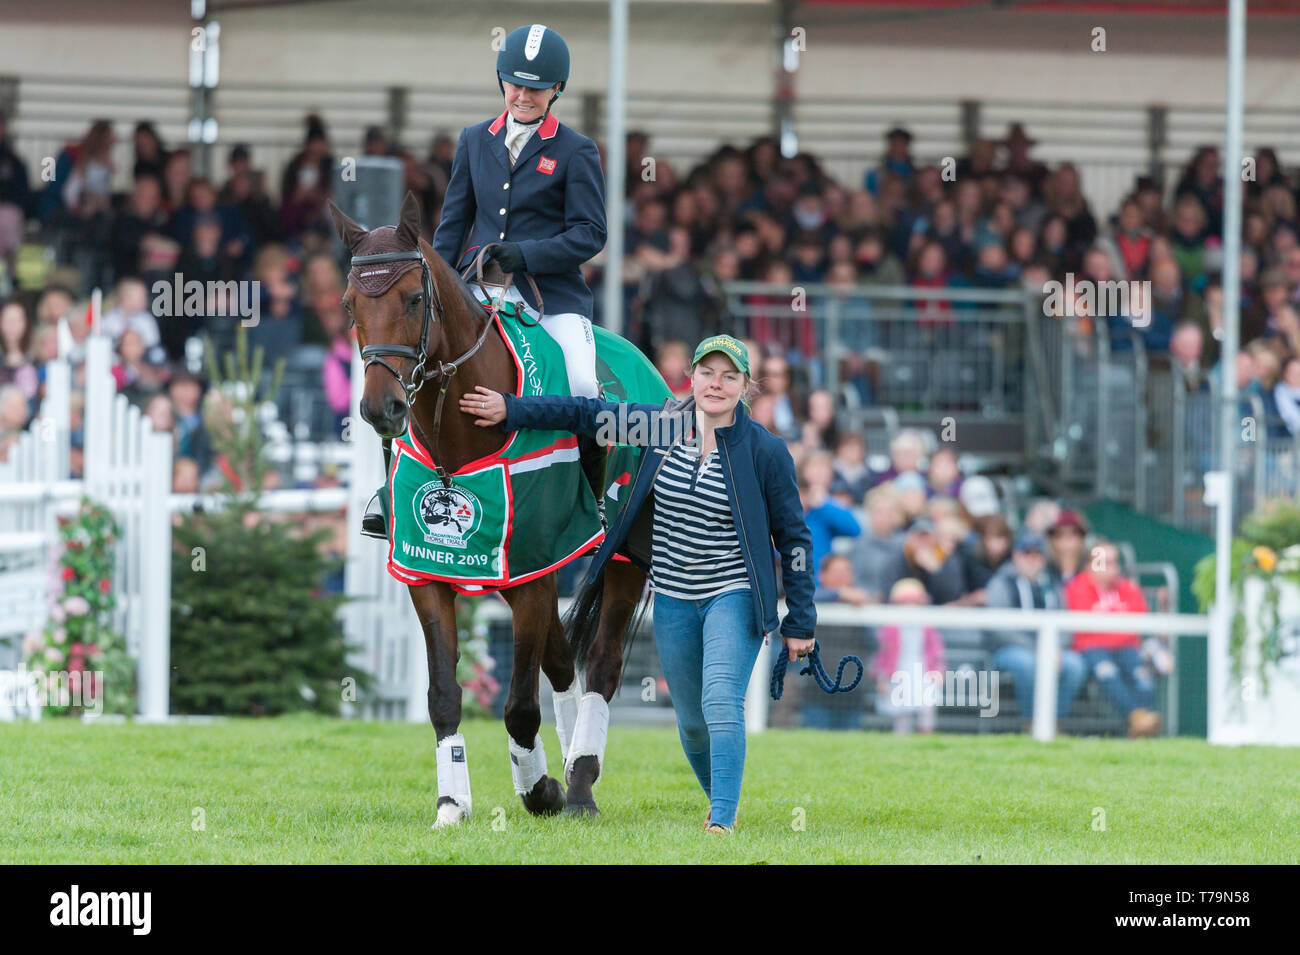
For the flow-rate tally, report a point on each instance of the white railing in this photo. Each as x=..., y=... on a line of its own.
x=1050, y=625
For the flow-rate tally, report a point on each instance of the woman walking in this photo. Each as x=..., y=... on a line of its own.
x=722, y=491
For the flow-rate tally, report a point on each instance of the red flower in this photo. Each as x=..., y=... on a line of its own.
x=68, y=573
x=103, y=586
x=94, y=650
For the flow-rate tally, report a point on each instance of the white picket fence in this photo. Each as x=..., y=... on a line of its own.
x=379, y=620
x=127, y=468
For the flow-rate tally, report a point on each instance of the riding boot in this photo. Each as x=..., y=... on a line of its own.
x=592, y=456
x=376, y=519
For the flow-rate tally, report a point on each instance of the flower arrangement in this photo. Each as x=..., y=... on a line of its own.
x=79, y=640
x=1267, y=549
x=474, y=668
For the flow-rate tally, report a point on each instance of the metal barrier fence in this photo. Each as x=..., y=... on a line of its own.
x=1095, y=419
x=1184, y=440
x=922, y=350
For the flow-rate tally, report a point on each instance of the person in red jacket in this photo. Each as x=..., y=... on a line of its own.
x=1114, y=658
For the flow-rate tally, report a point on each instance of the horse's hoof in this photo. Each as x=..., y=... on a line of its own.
x=546, y=799
x=585, y=809
x=450, y=814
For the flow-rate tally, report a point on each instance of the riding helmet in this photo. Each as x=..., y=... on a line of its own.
x=533, y=56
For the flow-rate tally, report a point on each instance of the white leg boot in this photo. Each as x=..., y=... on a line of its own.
x=453, y=781
x=566, y=715
x=589, y=733
x=527, y=766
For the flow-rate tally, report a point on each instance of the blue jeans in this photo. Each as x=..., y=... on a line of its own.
x=1123, y=684
x=1021, y=663
x=707, y=650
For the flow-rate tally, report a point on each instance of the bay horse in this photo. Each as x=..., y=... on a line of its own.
x=428, y=326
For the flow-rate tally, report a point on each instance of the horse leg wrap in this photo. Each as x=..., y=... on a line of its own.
x=527, y=765
x=566, y=715
x=589, y=733
x=453, y=771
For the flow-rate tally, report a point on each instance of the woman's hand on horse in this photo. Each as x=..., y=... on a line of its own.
x=487, y=406
x=798, y=648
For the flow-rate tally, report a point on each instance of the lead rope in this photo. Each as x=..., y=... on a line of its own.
x=814, y=666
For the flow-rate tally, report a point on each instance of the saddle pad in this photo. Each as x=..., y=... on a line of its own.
x=526, y=509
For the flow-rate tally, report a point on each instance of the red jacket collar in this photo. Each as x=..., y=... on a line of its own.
x=547, y=130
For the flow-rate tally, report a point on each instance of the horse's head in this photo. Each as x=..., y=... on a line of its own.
x=390, y=298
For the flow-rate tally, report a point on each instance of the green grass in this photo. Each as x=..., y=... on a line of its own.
x=312, y=790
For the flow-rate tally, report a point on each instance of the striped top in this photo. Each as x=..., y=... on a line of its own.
x=695, y=549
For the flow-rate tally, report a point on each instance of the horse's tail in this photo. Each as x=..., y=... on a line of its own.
x=582, y=620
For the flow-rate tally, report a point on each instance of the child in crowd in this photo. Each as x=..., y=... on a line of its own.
x=908, y=667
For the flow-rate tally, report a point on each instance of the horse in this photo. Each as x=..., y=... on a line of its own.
x=429, y=327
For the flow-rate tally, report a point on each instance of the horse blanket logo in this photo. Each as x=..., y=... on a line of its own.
x=525, y=510
x=447, y=516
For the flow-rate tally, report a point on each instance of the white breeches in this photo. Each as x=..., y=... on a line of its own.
x=571, y=331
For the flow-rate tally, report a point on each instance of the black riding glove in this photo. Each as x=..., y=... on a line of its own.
x=509, y=256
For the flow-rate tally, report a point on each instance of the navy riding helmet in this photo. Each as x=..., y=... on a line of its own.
x=534, y=56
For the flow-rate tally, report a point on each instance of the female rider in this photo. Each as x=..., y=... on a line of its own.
x=535, y=188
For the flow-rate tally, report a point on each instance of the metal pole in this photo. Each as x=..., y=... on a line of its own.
x=1045, y=688
x=1229, y=415
x=615, y=165
x=783, y=87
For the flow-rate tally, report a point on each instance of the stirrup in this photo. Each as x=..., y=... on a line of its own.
x=373, y=522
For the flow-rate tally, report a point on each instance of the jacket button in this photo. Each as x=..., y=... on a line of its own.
x=505, y=186
x=502, y=211
x=502, y=236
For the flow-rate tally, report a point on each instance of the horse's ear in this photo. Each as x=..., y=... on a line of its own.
x=408, y=229
x=348, y=231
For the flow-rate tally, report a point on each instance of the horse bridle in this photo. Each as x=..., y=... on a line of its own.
x=372, y=354
x=433, y=311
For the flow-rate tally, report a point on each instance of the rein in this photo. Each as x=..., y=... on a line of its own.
x=814, y=666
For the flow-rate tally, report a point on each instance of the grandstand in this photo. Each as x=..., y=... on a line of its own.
x=891, y=274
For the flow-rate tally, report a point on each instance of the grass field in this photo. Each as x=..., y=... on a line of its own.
x=312, y=790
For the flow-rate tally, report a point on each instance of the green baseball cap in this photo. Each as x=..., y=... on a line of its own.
x=731, y=347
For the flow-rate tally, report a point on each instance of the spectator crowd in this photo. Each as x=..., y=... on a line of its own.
x=918, y=530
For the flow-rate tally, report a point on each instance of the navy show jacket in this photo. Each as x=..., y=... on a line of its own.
x=756, y=468
x=552, y=203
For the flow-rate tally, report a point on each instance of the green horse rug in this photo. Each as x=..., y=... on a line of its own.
x=527, y=509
